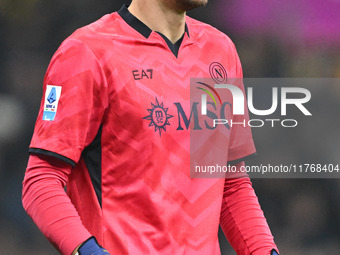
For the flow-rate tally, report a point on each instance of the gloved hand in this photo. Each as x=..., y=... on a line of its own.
x=91, y=247
x=273, y=252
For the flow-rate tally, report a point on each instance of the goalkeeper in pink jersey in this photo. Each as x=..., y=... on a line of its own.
x=114, y=127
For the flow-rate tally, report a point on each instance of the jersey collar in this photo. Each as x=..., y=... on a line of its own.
x=138, y=25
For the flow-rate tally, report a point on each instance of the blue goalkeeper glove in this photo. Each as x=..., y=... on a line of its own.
x=91, y=247
x=274, y=252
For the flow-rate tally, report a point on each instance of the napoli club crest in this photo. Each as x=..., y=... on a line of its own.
x=158, y=117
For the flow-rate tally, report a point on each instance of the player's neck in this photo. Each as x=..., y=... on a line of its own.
x=160, y=17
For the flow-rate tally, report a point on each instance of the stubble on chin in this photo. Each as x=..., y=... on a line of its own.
x=187, y=5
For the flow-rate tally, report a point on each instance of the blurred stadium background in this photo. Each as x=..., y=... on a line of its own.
x=292, y=38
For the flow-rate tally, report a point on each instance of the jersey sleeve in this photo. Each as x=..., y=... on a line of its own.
x=242, y=219
x=46, y=202
x=73, y=103
x=241, y=146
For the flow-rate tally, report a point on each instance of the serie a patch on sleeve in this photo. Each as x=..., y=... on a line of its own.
x=52, y=97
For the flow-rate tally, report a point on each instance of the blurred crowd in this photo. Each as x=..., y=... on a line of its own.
x=303, y=213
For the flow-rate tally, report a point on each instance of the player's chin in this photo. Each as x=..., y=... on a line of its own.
x=191, y=4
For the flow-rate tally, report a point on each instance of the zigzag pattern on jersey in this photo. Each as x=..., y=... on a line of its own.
x=195, y=201
x=149, y=198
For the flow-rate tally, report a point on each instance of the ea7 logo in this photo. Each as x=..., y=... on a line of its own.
x=142, y=74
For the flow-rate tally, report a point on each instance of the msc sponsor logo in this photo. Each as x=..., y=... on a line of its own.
x=158, y=117
x=220, y=112
x=196, y=119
